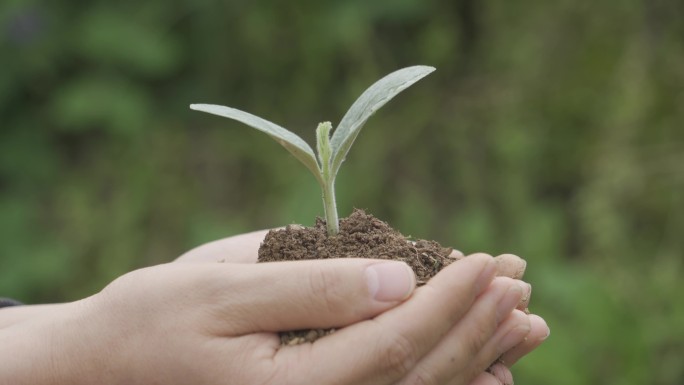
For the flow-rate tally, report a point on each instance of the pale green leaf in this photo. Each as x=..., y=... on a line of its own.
x=365, y=106
x=293, y=143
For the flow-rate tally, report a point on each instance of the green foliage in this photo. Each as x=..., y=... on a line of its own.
x=331, y=151
x=552, y=130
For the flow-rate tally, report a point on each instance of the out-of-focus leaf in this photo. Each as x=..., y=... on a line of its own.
x=116, y=39
x=97, y=102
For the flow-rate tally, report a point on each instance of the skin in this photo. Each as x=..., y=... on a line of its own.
x=217, y=323
x=243, y=249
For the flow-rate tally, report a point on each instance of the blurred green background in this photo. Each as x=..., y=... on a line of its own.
x=551, y=129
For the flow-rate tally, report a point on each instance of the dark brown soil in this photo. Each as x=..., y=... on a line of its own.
x=361, y=236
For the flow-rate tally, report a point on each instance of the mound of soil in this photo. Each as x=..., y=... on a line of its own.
x=361, y=236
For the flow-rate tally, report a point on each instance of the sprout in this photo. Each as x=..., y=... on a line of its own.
x=332, y=150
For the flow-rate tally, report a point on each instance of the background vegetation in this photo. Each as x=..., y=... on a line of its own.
x=551, y=129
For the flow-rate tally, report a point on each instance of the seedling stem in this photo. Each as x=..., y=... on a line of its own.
x=332, y=150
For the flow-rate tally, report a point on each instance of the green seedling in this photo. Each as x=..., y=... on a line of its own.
x=332, y=150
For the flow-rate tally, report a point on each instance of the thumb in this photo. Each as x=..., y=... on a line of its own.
x=280, y=296
x=240, y=248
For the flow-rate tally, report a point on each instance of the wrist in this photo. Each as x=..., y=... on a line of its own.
x=48, y=348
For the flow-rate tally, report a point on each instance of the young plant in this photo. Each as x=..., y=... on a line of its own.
x=332, y=150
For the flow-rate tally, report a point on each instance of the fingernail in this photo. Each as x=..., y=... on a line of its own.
x=390, y=281
x=527, y=293
x=514, y=337
x=486, y=275
x=541, y=323
x=548, y=333
x=508, y=302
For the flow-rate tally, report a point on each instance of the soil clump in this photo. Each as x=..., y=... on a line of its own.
x=361, y=236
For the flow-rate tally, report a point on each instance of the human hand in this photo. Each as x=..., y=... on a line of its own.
x=221, y=337
x=243, y=249
x=224, y=319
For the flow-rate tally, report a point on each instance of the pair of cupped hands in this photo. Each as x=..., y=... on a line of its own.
x=196, y=321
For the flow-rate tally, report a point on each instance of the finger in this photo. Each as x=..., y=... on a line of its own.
x=453, y=358
x=539, y=332
x=527, y=295
x=510, y=265
x=509, y=334
x=280, y=296
x=396, y=340
x=488, y=379
x=241, y=248
x=497, y=374
x=456, y=254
